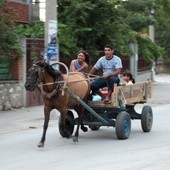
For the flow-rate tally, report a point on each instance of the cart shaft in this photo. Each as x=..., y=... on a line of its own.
x=105, y=122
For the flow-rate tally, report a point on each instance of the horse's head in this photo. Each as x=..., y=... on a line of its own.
x=35, y=75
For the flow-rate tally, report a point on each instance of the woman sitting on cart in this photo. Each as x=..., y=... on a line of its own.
x=81, y=63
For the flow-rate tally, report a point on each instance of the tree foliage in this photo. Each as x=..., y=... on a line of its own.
x=91, y=24
x=162, y=27
x=34, y=29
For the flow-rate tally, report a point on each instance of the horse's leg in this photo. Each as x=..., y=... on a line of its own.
x=79, y=110
x=75, y=137
x=83, y=128
x=81, y=115
x=46, y=121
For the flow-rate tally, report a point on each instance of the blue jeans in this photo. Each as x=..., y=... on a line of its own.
x=100, y=83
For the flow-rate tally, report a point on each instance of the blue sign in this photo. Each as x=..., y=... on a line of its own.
x=51, y=52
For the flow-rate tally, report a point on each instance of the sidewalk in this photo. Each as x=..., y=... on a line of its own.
x=162, y=78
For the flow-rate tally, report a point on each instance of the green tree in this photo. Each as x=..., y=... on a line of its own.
x=91, y=24
x=138, y=18
x=34, y=29
x=162, y=26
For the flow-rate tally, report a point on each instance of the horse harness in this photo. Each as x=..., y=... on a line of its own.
x=58, y=87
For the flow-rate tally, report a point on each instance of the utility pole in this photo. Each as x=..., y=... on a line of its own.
x=152, y=38
x=151, y=26
x=51, y=39
x=134, y=59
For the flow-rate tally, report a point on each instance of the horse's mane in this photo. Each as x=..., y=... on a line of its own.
x=56, y=74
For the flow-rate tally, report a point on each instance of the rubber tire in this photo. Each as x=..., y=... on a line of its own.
x=123, y=125
x=146, y=118
x=69, y=124
x=94, y=127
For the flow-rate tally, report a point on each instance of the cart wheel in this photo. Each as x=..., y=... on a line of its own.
x=69, y=124
x=123, y=125
x=94, y=127
x=146, y=118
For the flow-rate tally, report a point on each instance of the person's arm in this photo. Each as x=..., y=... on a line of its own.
x=72, y=66
x=118, y=68
x=116, y=72
x=93, y=70
x=86, y=68
x=96, y=67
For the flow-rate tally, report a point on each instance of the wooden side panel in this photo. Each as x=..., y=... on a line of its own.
x=131, y=93
x=127, y=95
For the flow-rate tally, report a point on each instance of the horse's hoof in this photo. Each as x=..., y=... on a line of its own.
x=75, y=139
x=68, y=136
x=84, y=129
x=40, y=145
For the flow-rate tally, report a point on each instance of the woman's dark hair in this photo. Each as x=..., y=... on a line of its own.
x=128, y=74
x=86, y=56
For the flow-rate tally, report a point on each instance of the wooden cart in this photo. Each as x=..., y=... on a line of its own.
x=119, y=113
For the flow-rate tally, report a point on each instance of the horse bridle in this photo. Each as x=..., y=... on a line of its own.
x=40, y=71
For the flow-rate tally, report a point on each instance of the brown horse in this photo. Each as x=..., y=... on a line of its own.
x=50, y=82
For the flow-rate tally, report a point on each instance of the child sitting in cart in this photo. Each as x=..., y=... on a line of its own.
x=128, y=78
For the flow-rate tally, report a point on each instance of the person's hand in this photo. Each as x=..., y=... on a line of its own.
x=83, y=67
x=90, y=78
x=105, y=76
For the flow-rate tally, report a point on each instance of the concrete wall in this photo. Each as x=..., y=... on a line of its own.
x=11, y=95
x=144, y=76
x=163, y=68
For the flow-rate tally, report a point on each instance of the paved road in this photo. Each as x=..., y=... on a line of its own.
x=161, y=90
x=20, y=131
